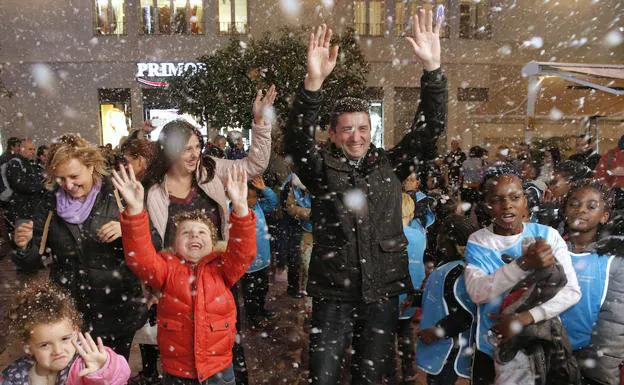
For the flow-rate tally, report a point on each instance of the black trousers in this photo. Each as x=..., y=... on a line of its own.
x=447, y=375
x=482, y=369
x=368, y=328
x=255, y=289
x=240, y=367
x=293, y=253
x=119, y=343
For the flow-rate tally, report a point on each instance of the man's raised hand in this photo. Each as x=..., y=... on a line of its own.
x=321, y=58
x=130, y=189
x=425, y=39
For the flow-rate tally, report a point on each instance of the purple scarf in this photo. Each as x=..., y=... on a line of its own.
x=73, y=210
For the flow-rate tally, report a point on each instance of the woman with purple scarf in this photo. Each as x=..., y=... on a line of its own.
x=78, y=225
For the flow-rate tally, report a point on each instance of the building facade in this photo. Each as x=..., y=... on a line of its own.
x=97, y=66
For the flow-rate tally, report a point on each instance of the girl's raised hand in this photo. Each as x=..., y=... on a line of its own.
x=130, y=189
x=94, y=356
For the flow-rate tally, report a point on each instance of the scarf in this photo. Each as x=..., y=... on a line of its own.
x=75, y=211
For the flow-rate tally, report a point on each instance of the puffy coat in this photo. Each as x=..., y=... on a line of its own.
x=106, y=292
x=608, y=335
x=197, y=312
x=115, y=372
x=359, y=250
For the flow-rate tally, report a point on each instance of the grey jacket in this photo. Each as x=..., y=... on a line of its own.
x=608, y=337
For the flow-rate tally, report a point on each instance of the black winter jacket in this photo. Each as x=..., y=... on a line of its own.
x=106, y=292
x=359, y=251
x=25, y=178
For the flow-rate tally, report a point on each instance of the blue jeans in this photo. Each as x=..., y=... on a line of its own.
x=224, y=377
x=368, y=328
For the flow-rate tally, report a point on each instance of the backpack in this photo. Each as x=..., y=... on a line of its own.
x=5, y=188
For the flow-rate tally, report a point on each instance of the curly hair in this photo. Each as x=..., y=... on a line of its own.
x=197, y=216
x=68, y=147
x=607, y=194
x=39, y=302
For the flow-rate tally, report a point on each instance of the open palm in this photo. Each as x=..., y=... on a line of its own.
x=130, y=189
x=426, y=39
x=237, y=189
x=321, y=57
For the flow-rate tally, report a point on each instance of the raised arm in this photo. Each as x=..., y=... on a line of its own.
x=303, y=116
x=139, y=251
x=260, y=151
x=429, y=121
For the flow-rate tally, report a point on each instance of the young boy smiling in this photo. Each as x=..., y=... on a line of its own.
x=499, y=257
x=196, y=313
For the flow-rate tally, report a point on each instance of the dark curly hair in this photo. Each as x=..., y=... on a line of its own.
x=39, y=302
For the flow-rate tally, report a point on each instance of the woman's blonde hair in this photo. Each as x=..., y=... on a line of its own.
x=69, y=147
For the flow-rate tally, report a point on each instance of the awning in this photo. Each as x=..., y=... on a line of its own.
x=559, y=90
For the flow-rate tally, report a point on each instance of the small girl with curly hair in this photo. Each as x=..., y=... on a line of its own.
x=44, y=318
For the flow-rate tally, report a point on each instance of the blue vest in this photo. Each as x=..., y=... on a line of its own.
x=416, y=244
x=431, y=358
x=263, y=245
x=489, y=261
x=430, y=218
x=303, y=199
x=592, y=271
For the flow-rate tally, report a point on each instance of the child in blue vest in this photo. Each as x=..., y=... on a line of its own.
x=444, y=349
x=262, y=200
x=596, y=323
x=498, y=258
x=415, y=251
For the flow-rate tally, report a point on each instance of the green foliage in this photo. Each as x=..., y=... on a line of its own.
x=221, y=95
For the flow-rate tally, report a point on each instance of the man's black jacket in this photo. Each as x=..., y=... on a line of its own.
x=359, y=251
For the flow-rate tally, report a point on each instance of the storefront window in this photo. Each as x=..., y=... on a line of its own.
x=232, y=16
x=368, y=17
x=115, y=115
x=157, y=108
x=110, y=17
x=172, y=16
x=404, y=9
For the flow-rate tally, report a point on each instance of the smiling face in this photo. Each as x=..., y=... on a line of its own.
x=187, y=161
x=506, y=203
x=51, y=345
x=411, y=183
x=193, y=240
x=585, y=210
x=352, y=134
x=75, y=178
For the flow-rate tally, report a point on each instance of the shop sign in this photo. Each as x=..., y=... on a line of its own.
x=163, y=70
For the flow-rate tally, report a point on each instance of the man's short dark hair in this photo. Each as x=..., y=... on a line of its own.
x=346, y=105
x=14, y=141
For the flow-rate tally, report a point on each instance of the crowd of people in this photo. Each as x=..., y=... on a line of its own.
x=501, y=269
